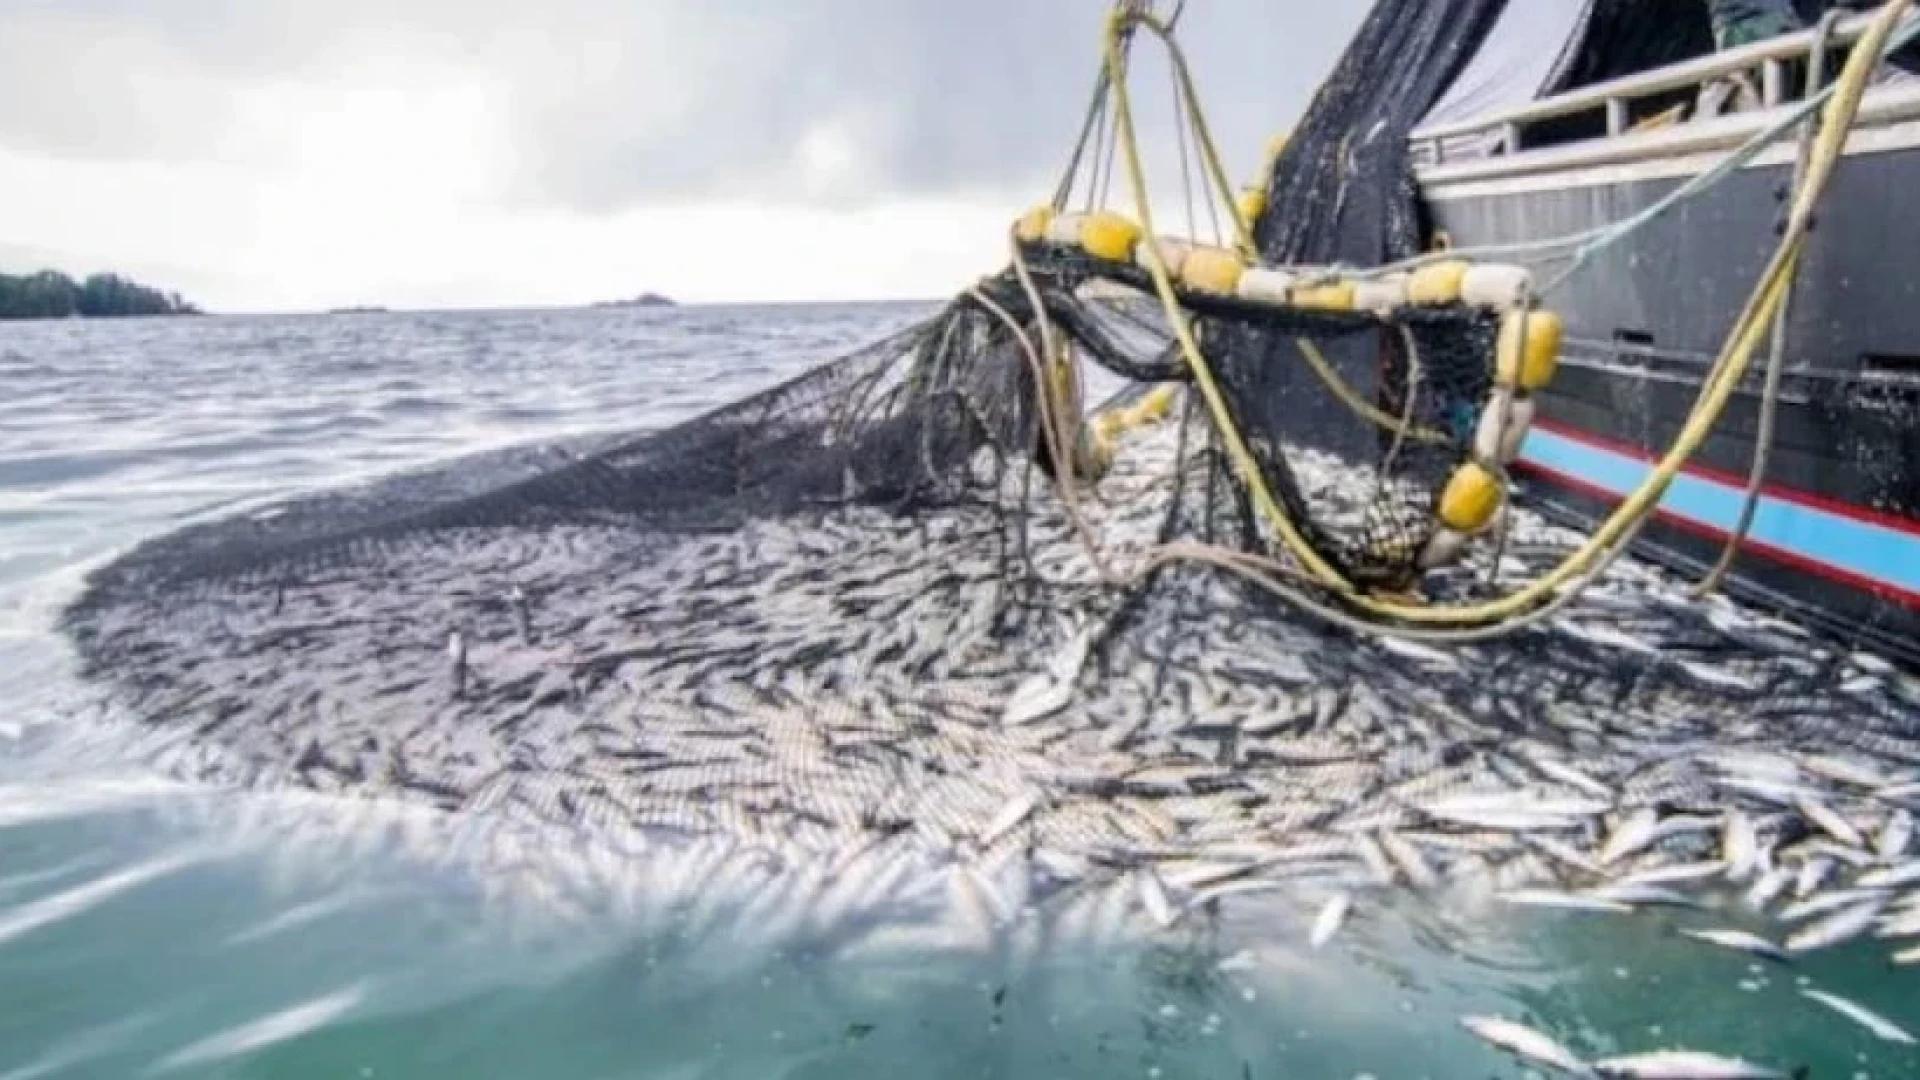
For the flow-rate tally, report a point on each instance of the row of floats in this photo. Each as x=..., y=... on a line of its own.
x=1526, y=354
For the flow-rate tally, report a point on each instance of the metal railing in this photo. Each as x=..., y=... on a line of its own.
x=1616, y=97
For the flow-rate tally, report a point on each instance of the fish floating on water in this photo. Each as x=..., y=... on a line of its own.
x=1872, y=1021
x=1687, y=1065
x=1538, y=1049
x=1526, y=1044
x=830, y=682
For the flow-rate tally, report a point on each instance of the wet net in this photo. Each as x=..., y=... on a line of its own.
x=941, y=415
x=936, y=590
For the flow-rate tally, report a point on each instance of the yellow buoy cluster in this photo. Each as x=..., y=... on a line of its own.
x=1223, y=271
x=1110, y=424
x=1526, y=356
x=1252, y=200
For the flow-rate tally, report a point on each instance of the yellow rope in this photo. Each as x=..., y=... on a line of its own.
x=1386, y=421
x=1050, y=426
x=1725, y=375
x=1243, y=459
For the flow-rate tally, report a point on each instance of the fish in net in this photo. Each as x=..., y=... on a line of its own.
x=924, y=594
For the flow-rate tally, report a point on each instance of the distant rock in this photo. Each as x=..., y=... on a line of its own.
x=645, y=299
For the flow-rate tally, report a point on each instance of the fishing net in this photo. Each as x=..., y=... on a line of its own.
x=942, y=414
x=936, y=589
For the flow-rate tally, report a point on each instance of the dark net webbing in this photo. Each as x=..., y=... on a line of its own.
x=846, y=628
x=1343, y=192
x=942, y=413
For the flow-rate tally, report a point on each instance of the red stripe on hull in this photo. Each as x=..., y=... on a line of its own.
x=1882, y=590
x=1881, y=518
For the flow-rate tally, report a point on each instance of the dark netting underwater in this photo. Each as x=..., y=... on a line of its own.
x=929, y=595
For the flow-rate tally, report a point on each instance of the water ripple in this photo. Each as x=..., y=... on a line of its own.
x=289, y=1023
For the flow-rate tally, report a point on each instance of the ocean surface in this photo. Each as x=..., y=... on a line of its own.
x=152, y=929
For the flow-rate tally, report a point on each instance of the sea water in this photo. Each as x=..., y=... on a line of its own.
x=147, y=928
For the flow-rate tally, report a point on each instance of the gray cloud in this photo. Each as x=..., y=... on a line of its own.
x=615, y=103
x=935, y=97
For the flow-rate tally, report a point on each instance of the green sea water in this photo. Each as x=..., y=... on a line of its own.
x=182, y=933
x=148, y=929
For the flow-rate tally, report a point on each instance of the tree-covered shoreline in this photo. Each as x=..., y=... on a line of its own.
x=50, y=294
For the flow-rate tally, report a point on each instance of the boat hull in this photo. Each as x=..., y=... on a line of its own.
x=1836, y=537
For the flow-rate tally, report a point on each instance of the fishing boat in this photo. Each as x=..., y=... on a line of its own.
x=1557, y=117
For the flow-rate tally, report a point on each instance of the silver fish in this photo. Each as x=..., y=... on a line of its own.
x=1845, y=771
x=1572, y=777
x=1039, y=697
x=1153, y=896
x=1634, y=832
x=1892, y=877
x=1423, y=655
x=1570, y=901
x=1830, y=822
x=1752, y=764
x=1328, y=922
x=1376, y=859
x=1683, y=1065
x=1860, y=1014
x=974, y=912
x=1525, y=1043
x=1713, y=676
x=1739, y=845
x=1211, y=893
x=1768, y=887
x=1777, y=792
x=1066, y=666
x=1239, y=961
x=1560, y=852
x=1408, y=859
x=1626, y=892
x=1812, y=873
x=1517, y=802
x=1753, y=944
x=1193, y=876
x=1905, y=924
x=1894, y=836
x=1858, y=858
x=1836, y=929
x=1510, y=821
x=1825, y=902
x=1010, y=816
x=1675, y=874
x=1873, y=665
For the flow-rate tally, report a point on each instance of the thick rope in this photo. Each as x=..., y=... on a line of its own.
x=1776, y=358
x=1728, y=369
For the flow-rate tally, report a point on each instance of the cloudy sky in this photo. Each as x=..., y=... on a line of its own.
x=263, y=155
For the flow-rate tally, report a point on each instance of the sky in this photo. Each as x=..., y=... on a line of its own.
x=281, y=155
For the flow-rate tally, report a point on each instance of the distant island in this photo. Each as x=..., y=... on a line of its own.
x=645, y=299
x=50, y=294
x=358, y=310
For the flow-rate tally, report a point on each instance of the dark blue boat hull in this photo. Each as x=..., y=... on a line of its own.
x=1837, y=538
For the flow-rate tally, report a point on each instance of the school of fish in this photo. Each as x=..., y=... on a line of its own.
x=875, y=701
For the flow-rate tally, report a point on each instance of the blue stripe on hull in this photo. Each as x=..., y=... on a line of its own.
x=1858, y=548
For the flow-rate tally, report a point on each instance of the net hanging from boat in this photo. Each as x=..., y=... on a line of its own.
x=1341, y=430
x=928, y=589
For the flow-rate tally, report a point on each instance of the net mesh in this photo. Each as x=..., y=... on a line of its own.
x=880, y=598
x=938, y=416
x=941, y=413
